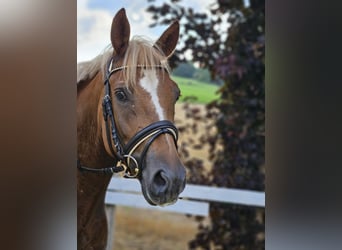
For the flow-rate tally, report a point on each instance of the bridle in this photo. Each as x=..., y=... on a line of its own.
x=124, y=153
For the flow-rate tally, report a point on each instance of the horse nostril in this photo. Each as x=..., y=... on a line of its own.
x=160, y=181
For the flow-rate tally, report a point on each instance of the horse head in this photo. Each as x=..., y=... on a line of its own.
x=143, y=98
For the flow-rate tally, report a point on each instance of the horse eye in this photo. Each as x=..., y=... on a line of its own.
x=120, y=95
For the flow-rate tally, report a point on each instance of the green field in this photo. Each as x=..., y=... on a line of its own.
x=204, y=92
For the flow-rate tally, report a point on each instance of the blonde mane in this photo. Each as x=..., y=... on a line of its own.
x=141, y=53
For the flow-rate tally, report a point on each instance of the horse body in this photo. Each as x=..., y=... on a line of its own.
x=143, y=98
x=91, y=189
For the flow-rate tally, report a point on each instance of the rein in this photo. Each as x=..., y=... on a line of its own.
x=124, y=153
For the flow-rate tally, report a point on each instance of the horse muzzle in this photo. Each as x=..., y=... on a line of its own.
x=162, y=186
x=162, y=182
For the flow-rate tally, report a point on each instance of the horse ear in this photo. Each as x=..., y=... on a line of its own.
x=168, y=40
x=120, y=32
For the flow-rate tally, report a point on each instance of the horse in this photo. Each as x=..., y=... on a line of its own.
x=125, y=124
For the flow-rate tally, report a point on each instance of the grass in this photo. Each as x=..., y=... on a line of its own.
x=202, y=91
x=137, y=229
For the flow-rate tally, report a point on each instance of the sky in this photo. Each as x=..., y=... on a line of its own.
x=94, y=19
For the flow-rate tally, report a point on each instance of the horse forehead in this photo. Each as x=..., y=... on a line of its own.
x=149, y=82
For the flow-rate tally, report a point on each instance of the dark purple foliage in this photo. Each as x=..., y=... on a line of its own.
x=237, y=56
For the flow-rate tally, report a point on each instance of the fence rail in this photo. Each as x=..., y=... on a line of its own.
x=127, y=192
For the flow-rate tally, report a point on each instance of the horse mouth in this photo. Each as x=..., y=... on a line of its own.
x=162, y=200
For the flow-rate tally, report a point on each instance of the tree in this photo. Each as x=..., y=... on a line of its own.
x=202, y=75
x=184, y=69
x=237, y=56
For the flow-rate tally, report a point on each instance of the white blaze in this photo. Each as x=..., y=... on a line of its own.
x=149, y=82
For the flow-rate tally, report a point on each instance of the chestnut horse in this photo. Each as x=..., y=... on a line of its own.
x=125, y=114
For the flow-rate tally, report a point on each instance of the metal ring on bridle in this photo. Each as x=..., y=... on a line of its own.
x=130, y=170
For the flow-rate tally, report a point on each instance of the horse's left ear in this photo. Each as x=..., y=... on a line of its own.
x=168, y=40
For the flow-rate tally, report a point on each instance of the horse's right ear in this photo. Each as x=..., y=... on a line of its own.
x=120, y=32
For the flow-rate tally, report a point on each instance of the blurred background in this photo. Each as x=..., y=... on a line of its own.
x=219, y=65
x=38, y=56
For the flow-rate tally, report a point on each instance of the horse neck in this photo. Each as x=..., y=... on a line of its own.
x=90, y=148
x=91, y=187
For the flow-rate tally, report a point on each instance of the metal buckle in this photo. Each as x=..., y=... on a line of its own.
x=129, y=172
